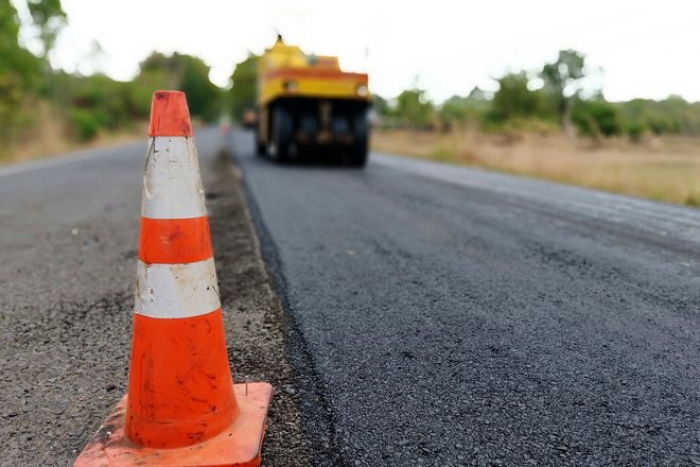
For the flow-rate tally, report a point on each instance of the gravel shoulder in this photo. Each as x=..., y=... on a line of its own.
x=257, y=325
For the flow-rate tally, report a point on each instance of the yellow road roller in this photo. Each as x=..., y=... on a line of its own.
x=308, y=106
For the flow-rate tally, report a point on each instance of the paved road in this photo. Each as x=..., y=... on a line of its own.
x=449, y=316
x=440, y=315
x=69, y=236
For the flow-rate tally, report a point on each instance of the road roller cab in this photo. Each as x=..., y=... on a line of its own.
x=308, y=106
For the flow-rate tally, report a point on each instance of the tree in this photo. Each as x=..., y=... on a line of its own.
x=515, y=100
x=460, y=110
x=203, y=96
x=183, y=72
x=245, y=86
x=561, y=82
x=14, y=60
x=380, y=105
x=453, y=111
x=161, y=68
x=414, y=109
x=19, y=70
x=48, y=16
x=598, y=118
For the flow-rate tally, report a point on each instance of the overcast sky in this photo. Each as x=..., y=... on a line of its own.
x=647, y=49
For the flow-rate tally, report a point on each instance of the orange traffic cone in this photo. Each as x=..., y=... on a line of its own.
x=182, y=407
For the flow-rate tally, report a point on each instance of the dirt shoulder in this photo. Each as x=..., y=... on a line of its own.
x=51, y=139
x=255, y=321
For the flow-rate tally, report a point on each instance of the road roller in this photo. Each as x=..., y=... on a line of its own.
x=308, y=107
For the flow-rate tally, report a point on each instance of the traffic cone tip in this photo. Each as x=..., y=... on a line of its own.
x=170, y=115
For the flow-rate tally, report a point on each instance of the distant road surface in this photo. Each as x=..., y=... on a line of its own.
x=450, y=316
x=437, y=315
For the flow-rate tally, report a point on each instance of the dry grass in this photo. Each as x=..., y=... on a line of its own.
x=665, y=169
x=50, y=137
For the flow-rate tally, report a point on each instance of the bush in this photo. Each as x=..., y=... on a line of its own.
x=85, y=124
x=514, y=100
x=672, y=115
x=458, y=110
x=538, y=125
x=414, y=109
x=596, y=118
x=636, y=130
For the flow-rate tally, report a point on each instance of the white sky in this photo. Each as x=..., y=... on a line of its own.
x=646, y=48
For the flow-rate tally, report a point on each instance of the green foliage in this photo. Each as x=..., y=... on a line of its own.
x=530, y=124
x=672, y=115
x=561, y=80
x=413, y=109
x=19, y=74
x=562, y=75
x=458, y=110
x=93, y=103
x=15, y=60
x=186, y=73
x=453, y=110
x=107, y=100
x=596, y=118
x=97, y=103
x=85, y=124
x=48, y=16
x=515, y=100
x=380, y=105
x=203, y=96
x=636, y=130
x=158, y=62
x=245, y=86
x=9, y=29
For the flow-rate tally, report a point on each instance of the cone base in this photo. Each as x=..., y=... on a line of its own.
x=239, y=445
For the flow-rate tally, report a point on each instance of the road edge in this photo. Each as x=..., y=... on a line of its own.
x=317, y=417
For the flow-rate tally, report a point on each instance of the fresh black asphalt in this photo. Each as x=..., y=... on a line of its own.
x=448, y=316
x=435, y=315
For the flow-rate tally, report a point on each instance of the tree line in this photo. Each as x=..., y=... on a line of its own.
x=85, y=105
x=552, y=98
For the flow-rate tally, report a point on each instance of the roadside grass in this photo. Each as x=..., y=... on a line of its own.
x=663, y=169
x=51, y=137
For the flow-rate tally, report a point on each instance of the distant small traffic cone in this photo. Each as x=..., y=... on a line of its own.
x=182, y=407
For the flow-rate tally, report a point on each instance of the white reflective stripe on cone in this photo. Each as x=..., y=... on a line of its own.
x=176, y=290
x=172, y=187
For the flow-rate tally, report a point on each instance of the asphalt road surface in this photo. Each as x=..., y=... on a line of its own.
x=433, y=315
x=69, y=237
x=450, y=316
